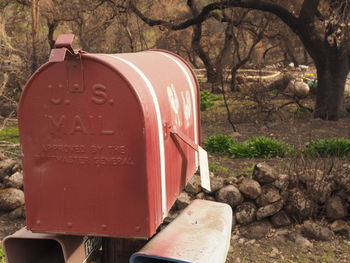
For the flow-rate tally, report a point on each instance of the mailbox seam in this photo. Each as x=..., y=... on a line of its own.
x=192, y=96
x=160, y=128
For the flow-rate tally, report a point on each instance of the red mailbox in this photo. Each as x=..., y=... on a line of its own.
x=96, y=132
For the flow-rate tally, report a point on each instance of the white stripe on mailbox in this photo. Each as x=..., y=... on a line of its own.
x=192, y=88
x=160, y=129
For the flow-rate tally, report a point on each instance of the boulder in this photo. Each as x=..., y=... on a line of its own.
x=282, y=182
x=194, y=185
x=256, y=230
x=10, y=199
x=285, y=236
x=250, y=188
x=245, y=213
x=321, y=187
x=15, y=180
x=19, y=212
x=200, y=195
x=335, y=208
x=269, y=195
x=342, y=228
x=281, y=219
x=230, y=195
x=209, y=198
x=316, y=231
x=298, y=87
x=216, y=183
x=183, y=201
x=264, y=173
x=6, y=167
x=269, y=210
x=310, y=175
x=300, y=205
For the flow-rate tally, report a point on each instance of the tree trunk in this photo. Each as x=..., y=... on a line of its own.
x=332, y=70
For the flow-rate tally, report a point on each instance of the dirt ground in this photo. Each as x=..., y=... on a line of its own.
x=271, y=250
x=291, y=126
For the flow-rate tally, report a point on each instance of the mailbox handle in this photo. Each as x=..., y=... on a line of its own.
x=65, y=41
x=63, y=45
x=179, y=134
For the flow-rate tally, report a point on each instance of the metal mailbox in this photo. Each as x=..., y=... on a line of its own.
x=100, y=137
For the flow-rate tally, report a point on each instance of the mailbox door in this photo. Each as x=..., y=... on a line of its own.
x=83, y=137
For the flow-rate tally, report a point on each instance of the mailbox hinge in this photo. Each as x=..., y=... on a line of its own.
x=64, y=52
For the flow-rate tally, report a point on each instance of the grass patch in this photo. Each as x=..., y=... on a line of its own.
x=217, y=168
x=334, y=147
x=9, y=134
x=256, y=147
x=9, y=142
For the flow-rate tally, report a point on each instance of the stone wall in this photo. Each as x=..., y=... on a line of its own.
x=268, y=198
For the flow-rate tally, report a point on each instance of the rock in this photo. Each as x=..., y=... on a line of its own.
x=245, y=213
x=230, y=180
x=310, y=175
x=19, y=212
x=269, y=195
x=299, y=205
x=343, y=178
x=298, y=87
x=17, y=167
x=15, y=180
x=335, y=208
x=341, y=227
x=216, y=183
x=321, y=186
x=281, y=219
x=183, y=201
x=282, y=181
x=269, y=210
x=194, y=185
x=230, y=195
x=200, y=195
x=209, y=198
x=6, y=167
x=250, y=188
x=234, y=222
x=274, y=252
x=10, y=199
x=264, y=173
x=284, y=236
x=315, y=231
x=302, y=242
x=256, y=230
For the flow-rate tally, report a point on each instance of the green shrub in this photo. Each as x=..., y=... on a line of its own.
x=260, y=147
x=219, y=143
x=335, y=147
x=207, y=100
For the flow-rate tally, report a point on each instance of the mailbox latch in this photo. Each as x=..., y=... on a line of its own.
x=64, y=52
